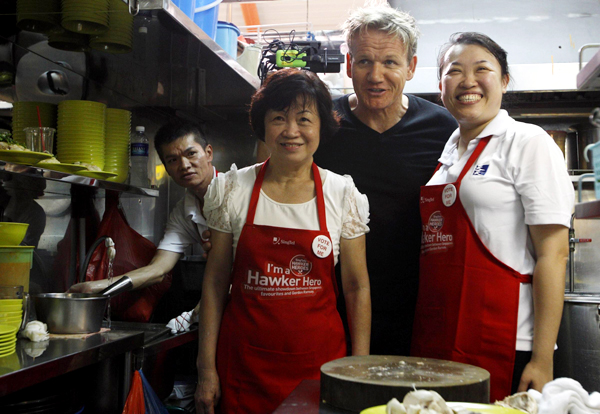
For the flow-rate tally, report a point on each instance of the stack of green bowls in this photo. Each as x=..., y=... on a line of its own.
x=118, y=129
x=119, y=36
x=70, y=41
x=85, y=16
x=41, y=16
x=25, y=115
x=81, y=132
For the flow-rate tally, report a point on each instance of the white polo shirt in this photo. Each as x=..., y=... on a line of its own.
x=185, y=225
x=520, y=179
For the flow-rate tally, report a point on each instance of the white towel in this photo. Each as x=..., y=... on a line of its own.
x=183, y=322
x=566, y=396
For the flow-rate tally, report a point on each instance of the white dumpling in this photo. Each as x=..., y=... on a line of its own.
x=415, y=401
x=521, y=401
x=394, y=407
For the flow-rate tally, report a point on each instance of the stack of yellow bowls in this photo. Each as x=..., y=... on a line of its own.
x=25, y=115
x=41, y=16
x=81, y=132
x=116, y=154
x=85, y=16
x=119, y=36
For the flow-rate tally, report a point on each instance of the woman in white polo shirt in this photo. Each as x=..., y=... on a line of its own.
x=495, y=230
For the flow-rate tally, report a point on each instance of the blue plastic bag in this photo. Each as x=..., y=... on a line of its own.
x=153, y=404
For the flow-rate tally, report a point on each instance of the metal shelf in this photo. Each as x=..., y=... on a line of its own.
x=230, y=86
x=588, y=210
x=70, y=179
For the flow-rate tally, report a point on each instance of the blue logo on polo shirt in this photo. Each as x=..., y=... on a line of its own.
x=480, y=169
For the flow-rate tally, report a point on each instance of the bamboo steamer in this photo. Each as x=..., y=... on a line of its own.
x=359, y=382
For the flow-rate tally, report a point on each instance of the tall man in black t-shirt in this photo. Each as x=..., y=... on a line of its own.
x=389, y=143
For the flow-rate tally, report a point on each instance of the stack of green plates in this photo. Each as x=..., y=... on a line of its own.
x=42, y=16
x=25, y=115
x=85, y=16
x=81, y=132
x=119, y=36
x=11, y=315
x=118, y=128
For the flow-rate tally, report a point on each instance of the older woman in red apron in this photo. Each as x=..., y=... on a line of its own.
x=286, y=220
x=495, y=219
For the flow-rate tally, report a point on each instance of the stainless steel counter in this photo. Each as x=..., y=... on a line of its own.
x=60, y=356
x=104, y=362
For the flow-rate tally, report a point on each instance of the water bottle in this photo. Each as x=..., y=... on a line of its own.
x=138, y=173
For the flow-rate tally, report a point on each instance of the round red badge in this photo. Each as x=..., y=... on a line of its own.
x=322, y=246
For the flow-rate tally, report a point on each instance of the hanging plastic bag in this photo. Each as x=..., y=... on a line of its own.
x=135, y=400
x=133, y=251
x=153, y=404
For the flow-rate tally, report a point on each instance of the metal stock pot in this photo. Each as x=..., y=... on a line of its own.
x=72, y=313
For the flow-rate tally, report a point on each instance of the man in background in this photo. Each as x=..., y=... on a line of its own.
x=389, y=143
x=187, y=158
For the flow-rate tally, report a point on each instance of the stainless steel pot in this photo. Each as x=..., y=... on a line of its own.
x=567, y=142
x=578, y=353
x=70, y=313
x=586, y=134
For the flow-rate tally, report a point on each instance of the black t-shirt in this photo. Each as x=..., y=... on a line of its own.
x=390, y=168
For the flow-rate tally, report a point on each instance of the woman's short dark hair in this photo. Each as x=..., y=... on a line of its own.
x=282, y=89
x=478, y=39
x=174, y=130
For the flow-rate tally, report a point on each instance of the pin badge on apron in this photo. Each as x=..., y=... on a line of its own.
x=322, y=246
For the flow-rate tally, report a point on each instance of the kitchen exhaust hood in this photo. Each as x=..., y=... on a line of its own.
x=588, y=77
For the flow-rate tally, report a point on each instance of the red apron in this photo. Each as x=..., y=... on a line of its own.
x=468, y=300
x=281, y=323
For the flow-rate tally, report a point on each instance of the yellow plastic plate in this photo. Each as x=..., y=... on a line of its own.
x=15, y=314
x=8, y=337
x=10, y=308
x=100, y=175
x=456, y=406
x=66, y=168
x=7, y=329
x=8, y=342
x=8, y=351
x=23, y=157
x=11, y=301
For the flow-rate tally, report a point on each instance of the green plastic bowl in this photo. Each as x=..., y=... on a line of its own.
x=12, y=234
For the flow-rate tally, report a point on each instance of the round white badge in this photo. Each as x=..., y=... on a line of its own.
x=322, y=246
x=449, y=195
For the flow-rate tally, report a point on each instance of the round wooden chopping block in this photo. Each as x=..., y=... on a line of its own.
x=358, y=382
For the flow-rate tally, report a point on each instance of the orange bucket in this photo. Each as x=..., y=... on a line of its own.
x=15, y=264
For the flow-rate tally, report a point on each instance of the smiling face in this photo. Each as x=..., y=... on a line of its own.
x=380, y=70
x=293, y=135
x=188, y=163
x=472, y=86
